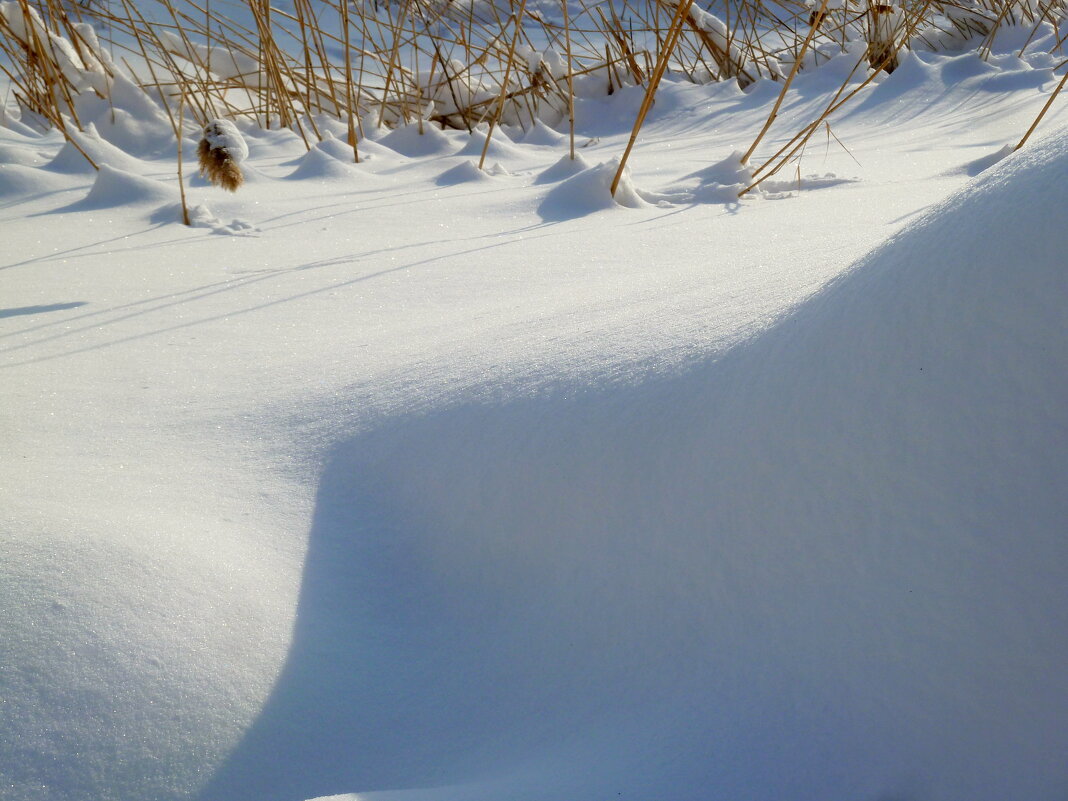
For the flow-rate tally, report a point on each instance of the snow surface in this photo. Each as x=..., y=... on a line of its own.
x=403, y=480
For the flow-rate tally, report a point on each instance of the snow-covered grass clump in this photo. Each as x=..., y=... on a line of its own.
x=221, y=150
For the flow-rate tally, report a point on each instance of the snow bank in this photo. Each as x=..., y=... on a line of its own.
x=341, y=150
x=320, y=164
x=118, y=188
x=414, y=141
x=462, y=173
x=19, y=181
x=500, y=146
x=831, y=565
x=71, y=160
x=590, y=190
x=565, y=167
x=541, y=135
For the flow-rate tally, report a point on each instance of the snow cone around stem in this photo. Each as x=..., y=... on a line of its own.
x=221, y=151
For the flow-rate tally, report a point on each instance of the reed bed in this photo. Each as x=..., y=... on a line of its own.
x=464, y=63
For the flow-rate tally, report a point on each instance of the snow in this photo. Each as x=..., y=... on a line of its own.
x=321, y=164
x=590, y=191
x=420, y=482
x=415, y=140
x=71, y=158
x=223, y=135
x=113, y=187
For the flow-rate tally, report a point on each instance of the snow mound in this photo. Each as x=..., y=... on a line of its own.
x=565, y=168
x=410, y=141
x=541, y=135
x=71, y=160
x=976, y=166
x=831, y=565
x=465, y=172
x=128, y=96
x=129, y=119
x=500, y=146
x=370, y=128
x=114, y=187
x=590, y=191
x=335, y=147
x=320, y=165
x=329, y=126
x=19, y=181
x=134, y=134
x=721, y=182
x=15, y=126
x=371, y=149
x=341, y=150
x=13, y=154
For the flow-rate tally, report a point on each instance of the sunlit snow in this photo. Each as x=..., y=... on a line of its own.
x=408, y=481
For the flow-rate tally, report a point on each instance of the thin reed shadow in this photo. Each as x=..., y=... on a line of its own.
x=27, y=310
x=227, y=286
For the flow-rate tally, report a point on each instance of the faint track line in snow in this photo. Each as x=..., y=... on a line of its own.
x=400, y=198
x=237, y=312
x=92, y=326
x=99, y=312
x=78, y=251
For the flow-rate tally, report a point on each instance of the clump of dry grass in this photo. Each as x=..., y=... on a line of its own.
x=219, y=154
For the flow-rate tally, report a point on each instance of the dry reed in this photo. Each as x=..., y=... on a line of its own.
x=458, y=64
x=218, y=159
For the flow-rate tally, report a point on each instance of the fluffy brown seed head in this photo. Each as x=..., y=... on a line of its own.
x=219, y=167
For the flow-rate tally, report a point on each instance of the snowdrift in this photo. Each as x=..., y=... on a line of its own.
x=830, y=565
